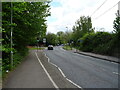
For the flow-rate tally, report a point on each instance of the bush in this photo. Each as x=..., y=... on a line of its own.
x=17, y=58
x=99, y=42
x=101, y=38
x=103, y=49
x=86, y=44
x=67, y=48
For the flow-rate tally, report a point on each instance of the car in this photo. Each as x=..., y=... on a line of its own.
x=50, y=47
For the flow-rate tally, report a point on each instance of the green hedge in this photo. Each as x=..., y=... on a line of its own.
x=99, y=42
x=87, y=42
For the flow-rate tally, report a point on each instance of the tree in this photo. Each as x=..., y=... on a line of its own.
x=117, y=25
x=116, y=43
x=68, y=37
x=51, y=39
x=81, y=27
x=29, y=22
x=60, y=36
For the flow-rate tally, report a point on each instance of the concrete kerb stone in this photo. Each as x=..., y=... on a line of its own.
x=103, y=57
x=111, y=59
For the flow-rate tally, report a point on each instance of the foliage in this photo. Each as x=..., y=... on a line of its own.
x=116, y=41
x=64, y=37
x=68, y=37
x=85, y=39
x=28, y=23
x=117, y=25
x=99, y=42
x=67, y=47
x=81, y=27
x=51, y=39
x=86, y=44
x=60, y=37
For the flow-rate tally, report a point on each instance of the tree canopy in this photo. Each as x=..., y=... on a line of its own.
x=81, y=27
x=28, y=23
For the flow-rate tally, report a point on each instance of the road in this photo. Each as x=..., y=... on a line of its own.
x=36, y=72
x=86, y=71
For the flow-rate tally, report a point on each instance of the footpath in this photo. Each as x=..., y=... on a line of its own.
x=30, y=74
x=102, y=57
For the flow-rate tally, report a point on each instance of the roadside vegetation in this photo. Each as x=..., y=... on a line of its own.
x=84, y=38
x=28, y=25
x=35, y=48
x=66, y=47
x=29, y=29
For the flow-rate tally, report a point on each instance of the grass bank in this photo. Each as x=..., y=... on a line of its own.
x=67, y=48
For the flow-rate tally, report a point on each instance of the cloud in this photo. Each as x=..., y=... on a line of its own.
x=64, y=13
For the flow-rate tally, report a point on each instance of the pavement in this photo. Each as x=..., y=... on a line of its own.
x=36, y=72
x=29, y=74
x=102, y=57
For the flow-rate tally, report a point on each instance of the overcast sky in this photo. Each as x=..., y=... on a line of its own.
x=64, y=13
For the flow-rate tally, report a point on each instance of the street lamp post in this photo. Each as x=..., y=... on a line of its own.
x=119, y=8
x=11, y=36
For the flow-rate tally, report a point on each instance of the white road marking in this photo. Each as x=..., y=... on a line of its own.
x=114, y=62
x=116, y=73
x=74, y=83
x=54, y=84
x=79, y=55
x=63, y=73
x=55, y=65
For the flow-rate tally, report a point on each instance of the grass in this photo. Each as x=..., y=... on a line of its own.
x=67, y=48
x=35, y=48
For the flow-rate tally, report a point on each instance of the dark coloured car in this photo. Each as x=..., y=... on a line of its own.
x=50, y=47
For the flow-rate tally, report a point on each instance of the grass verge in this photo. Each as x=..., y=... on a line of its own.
x=35, y=48
x=67, y=48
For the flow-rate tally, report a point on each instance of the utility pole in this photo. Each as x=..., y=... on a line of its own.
x=119, y=8
x=119, y=11
x=11, y=36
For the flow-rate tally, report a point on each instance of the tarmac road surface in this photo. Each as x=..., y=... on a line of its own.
x=85, y=71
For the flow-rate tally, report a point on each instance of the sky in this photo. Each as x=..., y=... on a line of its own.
x=64, y=13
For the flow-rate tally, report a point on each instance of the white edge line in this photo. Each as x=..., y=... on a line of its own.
x=54, y=84
x=63, y=73
x=116, y=73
